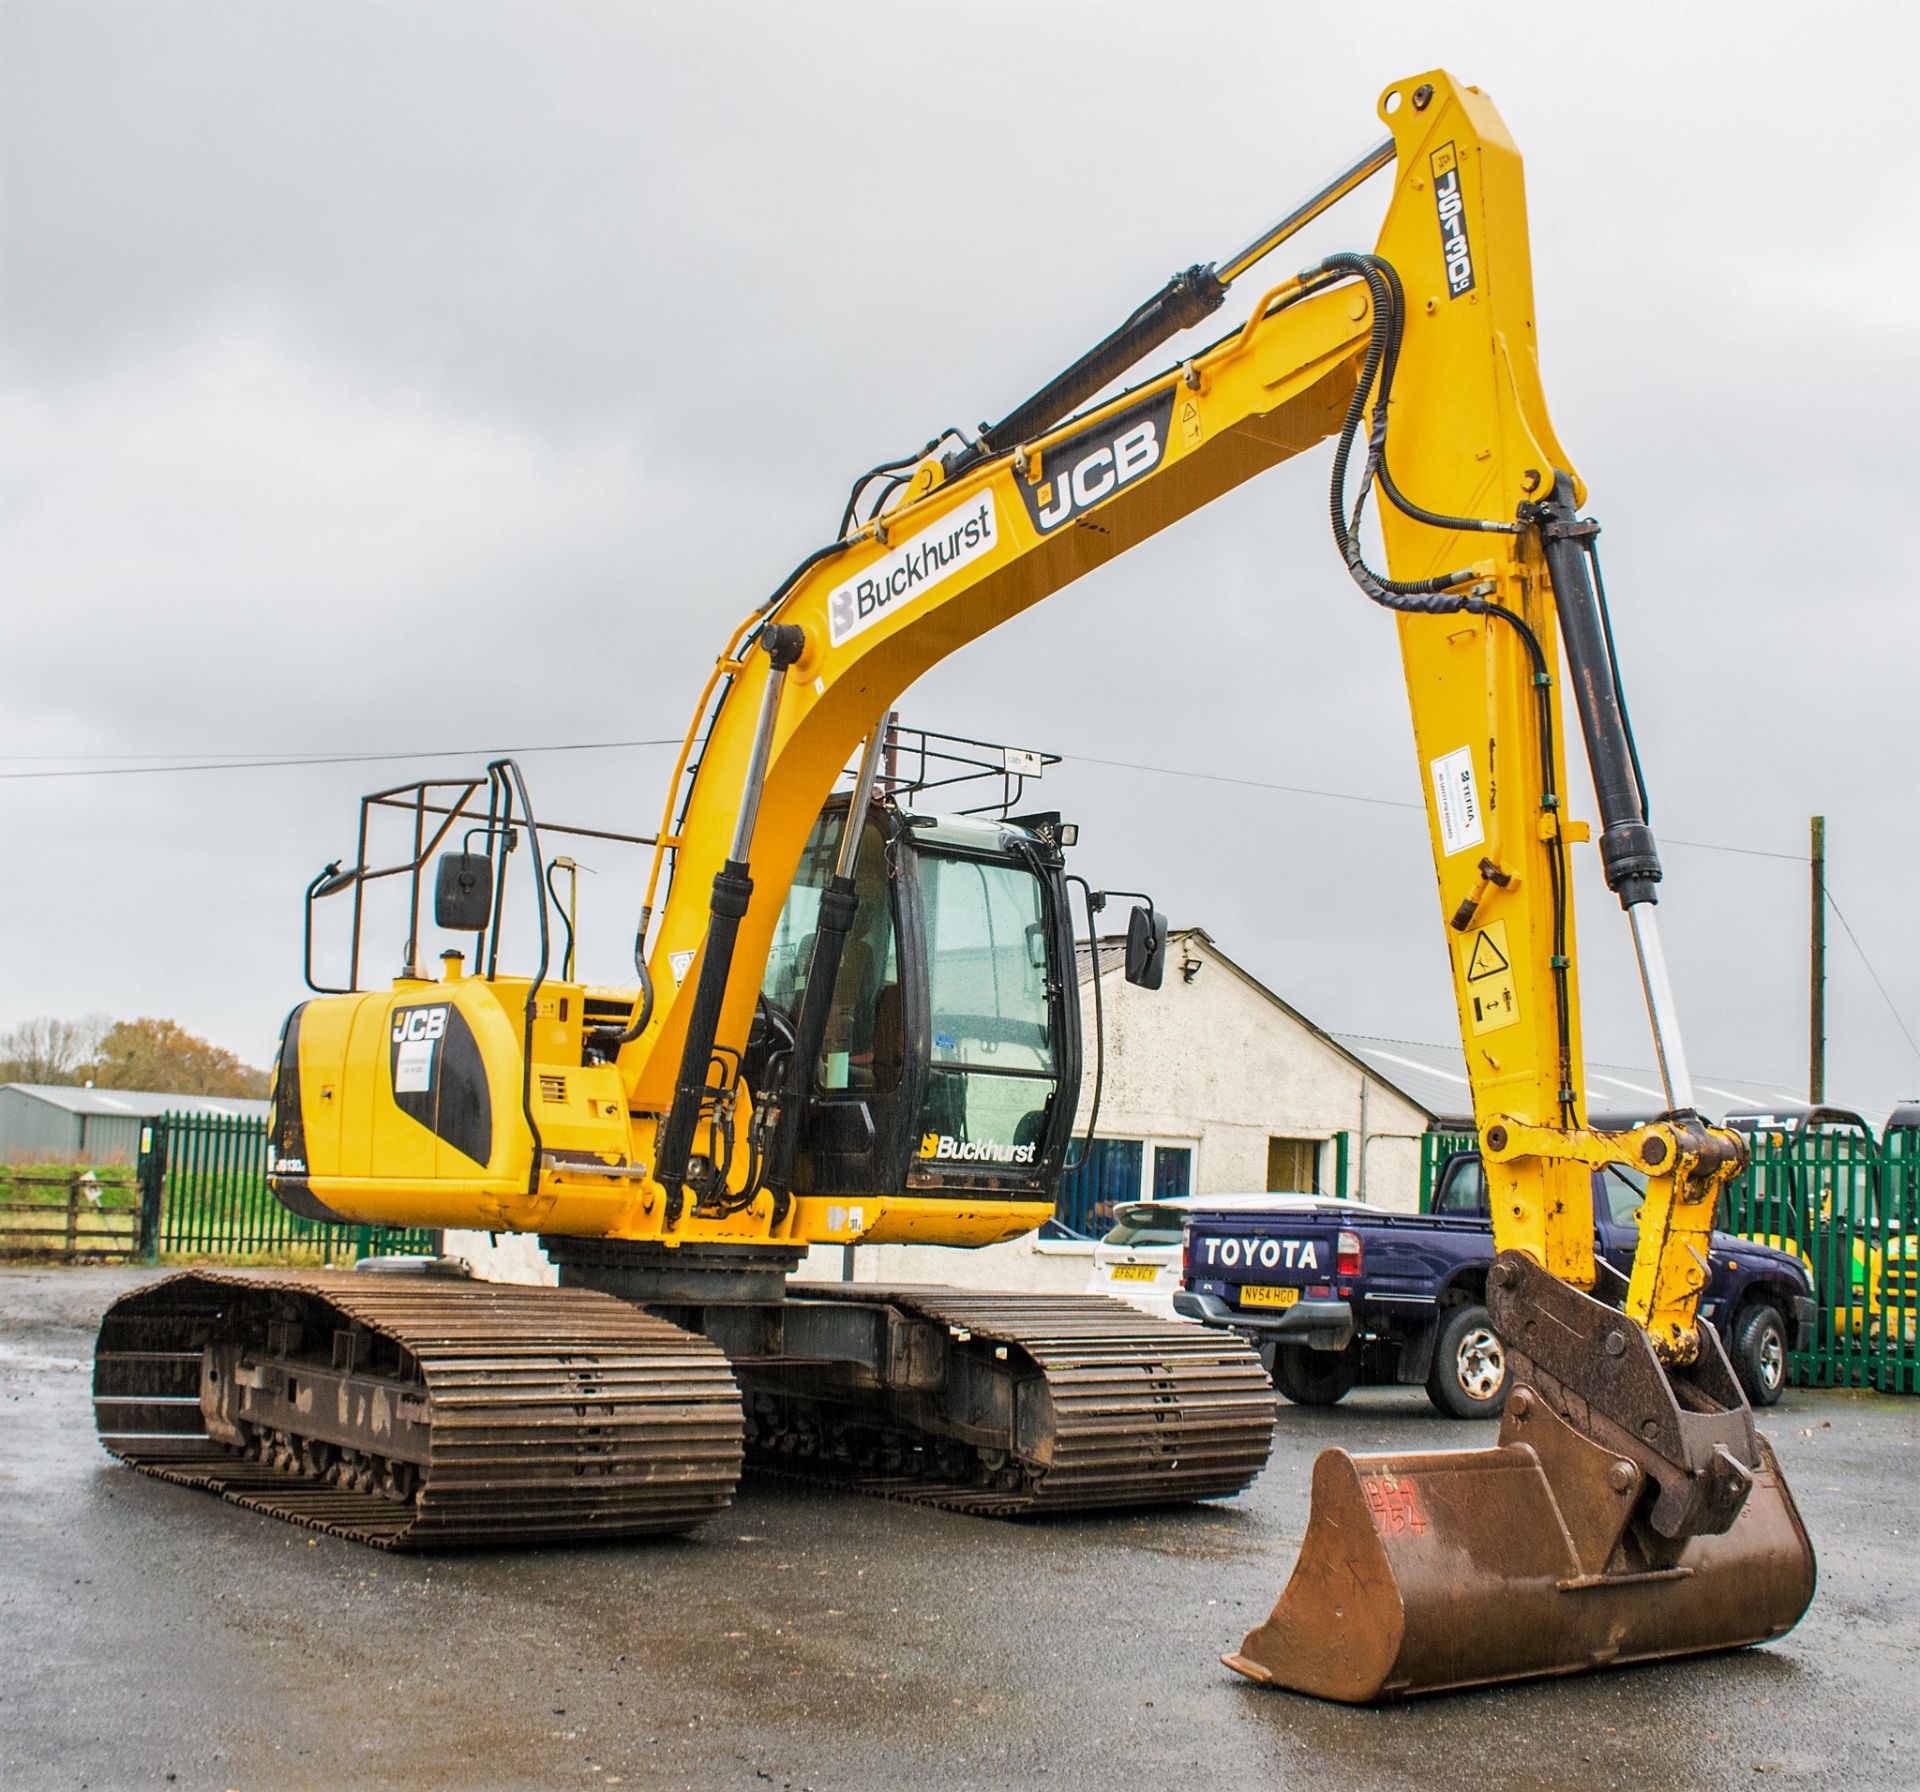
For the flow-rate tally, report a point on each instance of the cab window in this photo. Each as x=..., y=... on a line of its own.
x=865, y=1042
x=992, y=1079
x=1464, y=1192
x=1623, y=1190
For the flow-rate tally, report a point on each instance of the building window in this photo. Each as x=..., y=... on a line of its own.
x=1109, y=1171
x=1293, y=1166
x=1172, y=1172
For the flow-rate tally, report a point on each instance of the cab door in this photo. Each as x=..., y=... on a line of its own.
x=859, y=1100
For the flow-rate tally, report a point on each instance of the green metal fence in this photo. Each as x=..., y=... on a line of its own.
x=203, y=1187
x=1849, y=1208
x=1845, y=1206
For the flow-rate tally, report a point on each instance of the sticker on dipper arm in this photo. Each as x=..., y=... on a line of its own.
x=1456, y=800
x=912, y=569
x=1451, y=205
x=1492, y=1000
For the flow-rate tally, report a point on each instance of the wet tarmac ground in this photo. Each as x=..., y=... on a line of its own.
x=155, y=1637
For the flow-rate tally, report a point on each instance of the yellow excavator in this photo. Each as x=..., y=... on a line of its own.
x=856, y=1023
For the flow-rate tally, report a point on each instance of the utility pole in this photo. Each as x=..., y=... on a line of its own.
x=1817, y=968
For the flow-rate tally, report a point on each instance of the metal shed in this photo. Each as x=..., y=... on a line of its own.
x=51, y=1123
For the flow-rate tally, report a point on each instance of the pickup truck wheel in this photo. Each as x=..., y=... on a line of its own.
x=1314, y=1377
x=1760, y=1353
x=1469, y=1375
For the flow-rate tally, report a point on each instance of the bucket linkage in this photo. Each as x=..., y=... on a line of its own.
x=1630, y=1512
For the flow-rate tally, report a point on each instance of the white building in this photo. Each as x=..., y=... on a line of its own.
x=1211, y=1084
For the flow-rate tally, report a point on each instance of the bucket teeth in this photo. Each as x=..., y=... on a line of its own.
x=1424, y=1573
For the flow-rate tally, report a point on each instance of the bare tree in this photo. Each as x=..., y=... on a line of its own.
x=48, y=1050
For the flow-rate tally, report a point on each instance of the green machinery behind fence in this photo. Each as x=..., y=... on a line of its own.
x=203, y=1193
x=1846, y=1207
x=1849, y=1209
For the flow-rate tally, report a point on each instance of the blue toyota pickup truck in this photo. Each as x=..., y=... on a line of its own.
x=1338, y=1293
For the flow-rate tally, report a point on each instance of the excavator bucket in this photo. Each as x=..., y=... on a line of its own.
x=1549, y=1554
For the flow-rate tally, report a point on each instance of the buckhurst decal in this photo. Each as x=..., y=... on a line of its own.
x=947, y=1149
x=912, y=569
x=1087, y=469
x=1452, y=207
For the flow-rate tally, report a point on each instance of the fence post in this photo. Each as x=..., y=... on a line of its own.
x=73, y=1214
x=150, y=1174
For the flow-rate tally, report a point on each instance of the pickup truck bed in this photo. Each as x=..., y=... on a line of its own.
x=1337, y=1293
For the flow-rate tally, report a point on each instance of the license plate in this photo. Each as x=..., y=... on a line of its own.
x=1135, y=1272
x=1253, y=1295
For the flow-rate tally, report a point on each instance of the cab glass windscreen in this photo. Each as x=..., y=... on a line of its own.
x=792, y=949
x=865, y=1042
x=993, y=1070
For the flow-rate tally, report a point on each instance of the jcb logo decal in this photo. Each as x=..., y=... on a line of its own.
x=1088, y=468
x=410, y=1025
x=1451, y=205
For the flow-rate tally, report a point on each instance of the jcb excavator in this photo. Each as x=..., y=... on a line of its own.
x=678, y=1150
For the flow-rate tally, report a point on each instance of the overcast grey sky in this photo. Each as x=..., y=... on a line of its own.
x=399, y=377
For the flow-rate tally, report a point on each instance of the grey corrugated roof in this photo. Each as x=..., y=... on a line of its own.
x=140, y=1104
x=1436, y=1077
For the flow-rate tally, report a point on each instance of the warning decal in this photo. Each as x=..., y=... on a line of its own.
x=1456, y=802
x=1486, y=960
x=1491, y=1000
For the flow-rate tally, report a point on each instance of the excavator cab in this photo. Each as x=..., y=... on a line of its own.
x=950, y=1058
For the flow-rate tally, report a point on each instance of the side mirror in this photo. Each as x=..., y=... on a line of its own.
x=332, y=881
x=463, y=892
x=1146, y=947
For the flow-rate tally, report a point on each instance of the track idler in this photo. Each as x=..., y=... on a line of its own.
x=1630, y=1512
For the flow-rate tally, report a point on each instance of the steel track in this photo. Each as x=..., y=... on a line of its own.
x=555, y=1414
x=1143, y=1411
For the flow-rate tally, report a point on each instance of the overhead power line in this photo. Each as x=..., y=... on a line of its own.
x=1871, y=972
x=161, y=765
x=167, y=764
x=1382, y=802
x=1174, y=771
x=244, y=764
